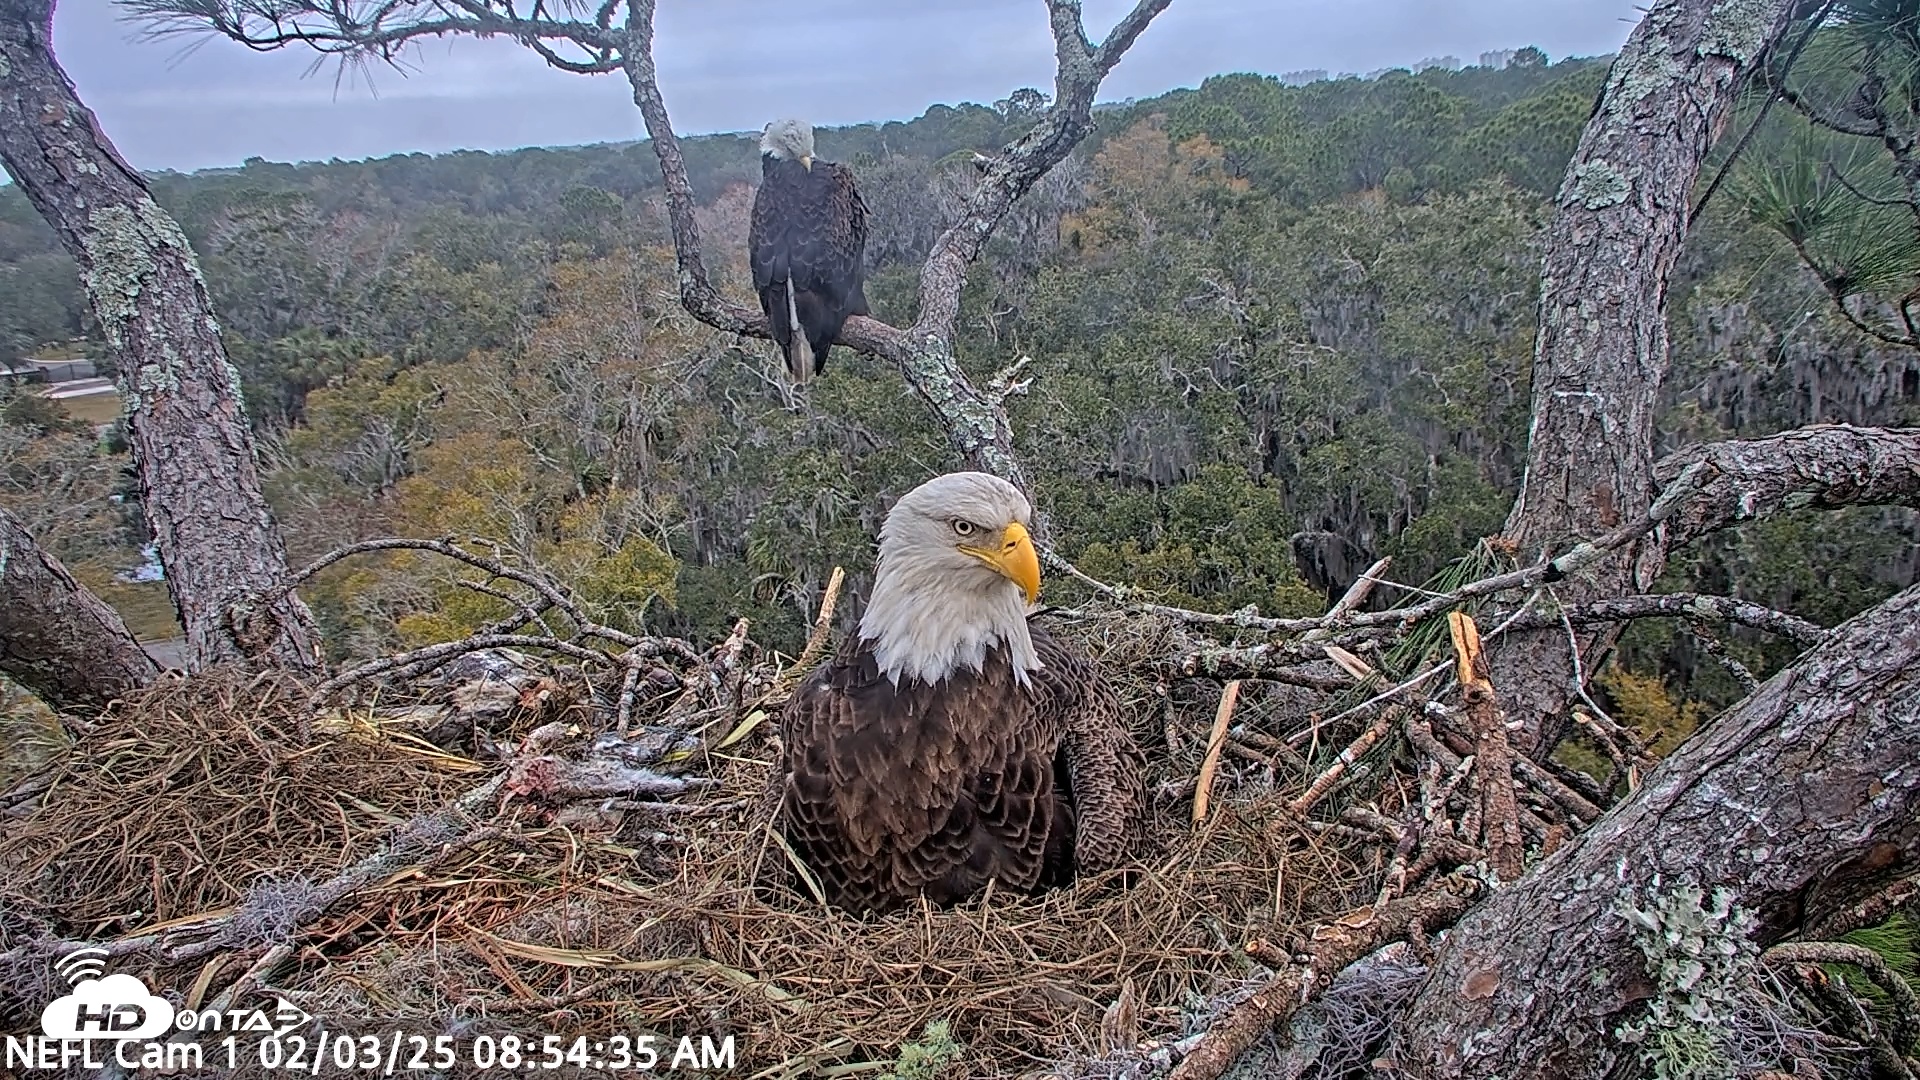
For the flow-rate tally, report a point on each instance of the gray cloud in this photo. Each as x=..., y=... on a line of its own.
x=728, y=65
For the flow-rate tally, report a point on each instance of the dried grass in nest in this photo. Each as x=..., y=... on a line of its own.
x=181, y=800
x=541, y=932
x=1021, y=981
x=545, y=929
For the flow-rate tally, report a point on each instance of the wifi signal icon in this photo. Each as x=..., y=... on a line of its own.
x=82, y=965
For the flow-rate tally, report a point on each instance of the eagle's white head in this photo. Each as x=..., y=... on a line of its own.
x=957, y=576
x=790, y=140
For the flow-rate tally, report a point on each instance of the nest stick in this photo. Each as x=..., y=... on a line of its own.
x=1493, y=755
x=1388, y=694
x=1354, y=751
x=1335, y=945
x=1394, y=881
x=817, y=640
x=1216, y=741
x=1355, y=595
x=250, y=979
x=629, y=684
x=823, y=624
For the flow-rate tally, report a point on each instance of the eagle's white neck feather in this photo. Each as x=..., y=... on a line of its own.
x=923, y=628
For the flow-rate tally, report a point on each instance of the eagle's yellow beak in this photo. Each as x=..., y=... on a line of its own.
x=807, y=162
x=1016, y=560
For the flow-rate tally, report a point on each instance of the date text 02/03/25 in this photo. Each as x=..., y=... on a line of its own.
x=398, y=1052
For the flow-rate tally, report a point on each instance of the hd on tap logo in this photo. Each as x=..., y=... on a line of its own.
x=101, y=1006
x=116, y=1019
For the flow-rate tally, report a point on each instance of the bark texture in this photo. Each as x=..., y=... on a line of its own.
x=1601, y=353
x=1331, y=948
x=1825, y=467
x=191, y=446
x=1800, y=800
x=57, y=639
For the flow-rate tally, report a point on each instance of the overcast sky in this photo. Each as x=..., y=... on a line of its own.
x=730, y=65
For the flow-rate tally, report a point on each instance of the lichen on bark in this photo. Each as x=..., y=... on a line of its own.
x=1598, y=185
x=1736, y=29
x=199, y=484
x=1653, y=67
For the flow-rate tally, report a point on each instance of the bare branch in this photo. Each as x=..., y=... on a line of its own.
x=1122, y=36
x=1692, y=606
x=975, y=421
x=449, y=649
x=697, y=293
x=1680, y=492
x=56, y=638
x=1712, y=645
x=377, y=29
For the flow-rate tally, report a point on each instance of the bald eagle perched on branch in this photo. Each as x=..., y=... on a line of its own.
x=807, y=245
x=950, y=742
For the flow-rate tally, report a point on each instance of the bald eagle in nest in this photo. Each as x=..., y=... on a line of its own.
x=951, y=742
x=807, y=245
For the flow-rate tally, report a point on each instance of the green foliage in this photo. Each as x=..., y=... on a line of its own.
x=1217, y=542
x=40, y=301
x=1835, y=175
x=1642, y=703
x=1276, y=332
x=1854, y=245
x=1897, y=941
x=591, y=218
x=1532, y=138
x=930, y=1057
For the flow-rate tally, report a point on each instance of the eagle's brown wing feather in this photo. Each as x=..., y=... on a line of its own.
x=1106, y=769
x=847, y=243
x=894, y=792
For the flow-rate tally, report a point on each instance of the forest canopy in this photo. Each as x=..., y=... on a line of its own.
x=1275, y=331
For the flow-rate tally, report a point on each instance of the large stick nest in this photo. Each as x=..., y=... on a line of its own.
x=215, y=795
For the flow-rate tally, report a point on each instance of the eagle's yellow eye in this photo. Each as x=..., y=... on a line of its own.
x=962, y=527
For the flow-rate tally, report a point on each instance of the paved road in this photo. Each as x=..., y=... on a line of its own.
x=79, y=388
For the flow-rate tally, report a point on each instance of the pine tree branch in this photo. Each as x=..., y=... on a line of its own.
x=375, y=29
x=1823, y=467
x=1694, y=606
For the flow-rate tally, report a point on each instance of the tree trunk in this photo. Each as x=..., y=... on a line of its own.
x=1601, y=353
x=191, y=445
x=56, y=638
x=1801, y=799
